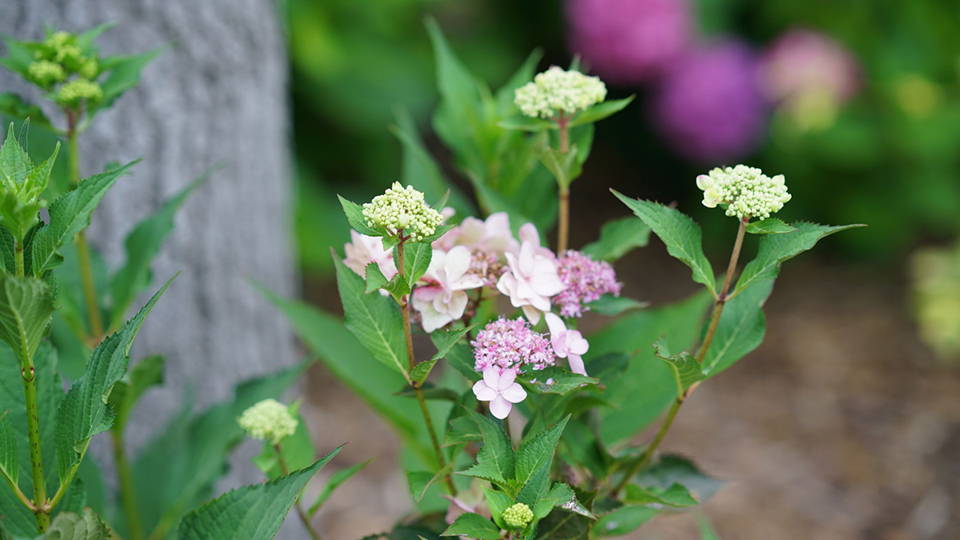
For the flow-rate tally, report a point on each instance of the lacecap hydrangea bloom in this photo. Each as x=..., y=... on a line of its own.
x=268, y=420
x=584, y=280
x=511, y=344
x=517, y=516
x=745, y=191
x=559, y=92
x=402, y=209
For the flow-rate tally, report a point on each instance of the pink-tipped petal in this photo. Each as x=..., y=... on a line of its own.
x=576, y=364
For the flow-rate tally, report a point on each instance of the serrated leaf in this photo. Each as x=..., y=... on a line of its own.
x=445, y=340
x=617, y=238
x=71, y=526
x=336, y=480
x=142, y=245
x=564, y=525
x=623, y=520
x=741, y=328
x=9, y=458
x=249, y=512
x=533, y=462
x=473, y=526
x=126, y=393
x=374, y=278
x=69, y=215
x=124, y=74
x=777, y=248
x=558, y=495
x=373, y=319
x=671, y=469
x=600, y=111
x=430, y=391
x=354, y=214
x=678, y=232
x=769, y=226
x=676, y=496
x=561, y=381
x=416, y=261
x=686, y=370
x=26, y=307
x=84, y=411
x=7, y=250
x=495, y=461
x=421, y=370
x=614, y=305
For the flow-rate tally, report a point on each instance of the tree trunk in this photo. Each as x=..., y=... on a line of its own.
x=214, y=100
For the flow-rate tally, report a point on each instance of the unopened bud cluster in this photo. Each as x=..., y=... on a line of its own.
x=59, y=59
x=402, y=210
x=268, y=420
x=558, y=91
x=745, y=191
x=517, y=516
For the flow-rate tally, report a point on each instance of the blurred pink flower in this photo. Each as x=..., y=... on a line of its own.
x=491, y=235
x=628, y=41
x=443, y=299
x=500, y=388
x=584, y=280
x=708, y=104
x=567, y=344
x=363, y=250
x=531, y=277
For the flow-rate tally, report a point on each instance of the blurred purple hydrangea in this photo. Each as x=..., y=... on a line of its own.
x=709, y=105
x=628, y=41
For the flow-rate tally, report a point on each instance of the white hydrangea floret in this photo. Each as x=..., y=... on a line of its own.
x=268, y=420
x=745, y=191
x=558, y=91
x=402, y=209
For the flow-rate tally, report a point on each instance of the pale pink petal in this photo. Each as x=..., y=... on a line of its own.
x=526, y=262
x=576, y=344
x=500, y=407
x=555, y=324
x=506, y=379
x=533, y=314
x=433, y=319
x=528, y=234
x=483, y=392
x=457, y=305
x=576, y=364
x=468, y=281
x=457, y=263
x=514, y=393
x=491, y=377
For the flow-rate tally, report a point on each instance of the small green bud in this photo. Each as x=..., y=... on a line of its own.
x=45, y=73
x=77, y=91
x=268, y=419
x=89, y=69
x=517, y=516
x=58, y=40
x=402, y=209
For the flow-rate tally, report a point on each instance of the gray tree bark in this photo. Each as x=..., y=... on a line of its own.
x=215, y=98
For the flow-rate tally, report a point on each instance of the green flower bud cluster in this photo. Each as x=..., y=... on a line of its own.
x=22, y=183
x=745, y=191
x=517, y=516
x=268, y=420
x=61, y=59
x=557, y=91
x=403, y=210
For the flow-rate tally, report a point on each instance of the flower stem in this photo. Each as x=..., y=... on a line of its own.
x=83, y=250
x=128, y=493
x=718, y=305
x=303, y=515
x=33, y=433
x=411, y=362
x=563, y=205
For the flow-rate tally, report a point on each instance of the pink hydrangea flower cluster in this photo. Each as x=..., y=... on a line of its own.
x=511, y=344
x=584, y=280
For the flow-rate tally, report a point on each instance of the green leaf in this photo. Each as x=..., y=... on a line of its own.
x=617, y=238
x=14, y=106
x=497, y=502
x=251, y=511
x=526, y=123
x=84, y=412
x=297, y=450
x=523, y=75
x=623, y=520
x=124, y=74
x=69, y=215
x=9, y=458
x=142, y=245
x=686, y=371
x=614, y=305
x=421, y=481
x=669, y=470
x=417, y=256
x=562, y=381
x=675, y=496
x=563, y=525
x=769, y=226
x=375, y=280
x=354, y=214
x=370, y=379
x=445, y=340
x=600, y=111
x=495, y=461
x=558, y=495
x=777, y=248
x=26, y=307
x=178, y=468
x=707, y=531
x=336, y=480
x=565, y=168
x=678, y=232
x=71, y=526
x=421, y=370
x=473, y=526
x=534, y=459
x=429, y=390
x=741, y=328
x=373, y=319
x=126, y=393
